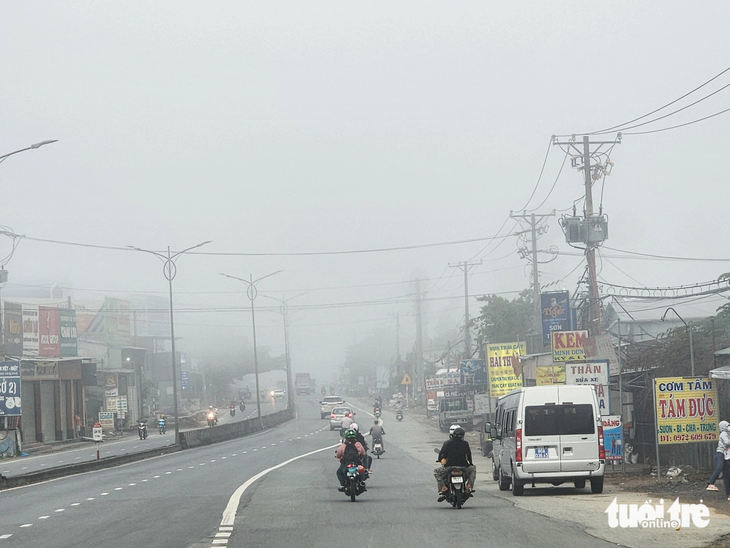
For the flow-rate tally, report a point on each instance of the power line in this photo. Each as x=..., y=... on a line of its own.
x=678, y=125
x=665, y=257
x=605, y=130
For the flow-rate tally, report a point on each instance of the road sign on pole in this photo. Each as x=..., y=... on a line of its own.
x=406, y=379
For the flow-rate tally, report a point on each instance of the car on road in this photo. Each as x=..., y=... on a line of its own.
x=338, y=413
x=327, y=404
x=277, y=393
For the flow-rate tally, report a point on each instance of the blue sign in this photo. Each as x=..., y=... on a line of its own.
x=555, y=313
x=478, y=368
x=9, y=389
x=612, y=437
x=185, y=381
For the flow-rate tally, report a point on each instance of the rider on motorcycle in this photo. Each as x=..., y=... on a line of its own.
x=455, y=453
x=350, y=451
x=162, y=423
x=377, y=432
x=399, y=407
x=367, y=460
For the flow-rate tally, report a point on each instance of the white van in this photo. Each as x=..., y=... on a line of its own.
x=548, y=434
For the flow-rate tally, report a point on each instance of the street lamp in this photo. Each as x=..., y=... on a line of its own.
x=31, y=147
x=285, y=312
x=688, y=326
x=169, y=269
x=252, y=292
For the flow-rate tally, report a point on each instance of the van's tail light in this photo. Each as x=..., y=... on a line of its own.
x=332, y=416
x=601, y=448
x=518, y=445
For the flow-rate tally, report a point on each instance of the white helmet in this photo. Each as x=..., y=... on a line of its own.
x=355, y=427
x=453, y=427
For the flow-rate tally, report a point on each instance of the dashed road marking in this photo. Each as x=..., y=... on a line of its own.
x=75, y=504
x=27, y=525
x=60, y=510
x=3, y=537
x=43, y=517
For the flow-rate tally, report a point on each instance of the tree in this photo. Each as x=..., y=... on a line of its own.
x=502, y=320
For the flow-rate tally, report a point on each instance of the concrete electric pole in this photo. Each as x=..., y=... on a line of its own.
x=465, y=267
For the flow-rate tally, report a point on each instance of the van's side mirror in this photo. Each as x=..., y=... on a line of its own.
x=487, y=427
x=493, y=433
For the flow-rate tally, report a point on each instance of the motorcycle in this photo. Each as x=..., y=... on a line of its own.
x=376, y=412
x=457, y=493
x=399, y=416
x=162, y=426
x=242, y=407
x=233, y=411
x=212, y=419
x=354, y=485
x=142, y=430
x=377, y=447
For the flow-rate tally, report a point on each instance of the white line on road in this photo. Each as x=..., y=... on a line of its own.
x=3, y=537
x=75, y=504
x=229, y=514
x=27, y=525
x=43, y=517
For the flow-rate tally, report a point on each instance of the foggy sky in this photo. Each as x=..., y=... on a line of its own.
x=273, y=127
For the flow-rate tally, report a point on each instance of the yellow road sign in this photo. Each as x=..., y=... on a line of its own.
x=406, y=379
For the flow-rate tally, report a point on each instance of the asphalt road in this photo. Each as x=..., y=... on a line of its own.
x=128, y=443
x=213, y=496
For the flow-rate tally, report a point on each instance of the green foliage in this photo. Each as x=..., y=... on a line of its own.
x=502, y=320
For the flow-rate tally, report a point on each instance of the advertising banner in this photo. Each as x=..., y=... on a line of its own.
x=594, y=373
x=568, y=346
x=30, y=331
x=481, y=404
x=555, y=313
x=106, y=419
x=505, y=369
x=686, y=409
x=9, y=389
x=612, y=437
x=111, y=385
x=49, y=332
x=550, y=374
x=600, y=347
x=69, y=342
x=474, y=368
x=13, y=329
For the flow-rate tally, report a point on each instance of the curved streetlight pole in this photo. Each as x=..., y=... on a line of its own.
x=31, y=147
x=252, y=292
x=688, y=326
x=285, y=313
x=169, y=269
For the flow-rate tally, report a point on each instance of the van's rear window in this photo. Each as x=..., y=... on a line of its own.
x=554, y=420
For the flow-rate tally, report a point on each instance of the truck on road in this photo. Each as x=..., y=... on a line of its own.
x=455, y=410
x=303, y=384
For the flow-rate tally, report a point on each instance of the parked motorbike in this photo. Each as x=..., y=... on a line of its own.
x=162, y=426
x=142, y=430
x=399, y=416
x=377, y=447
x=354, y=485
x=212, y=419
x=457, y=493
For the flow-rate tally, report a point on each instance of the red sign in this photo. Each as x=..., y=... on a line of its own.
x=49, y=331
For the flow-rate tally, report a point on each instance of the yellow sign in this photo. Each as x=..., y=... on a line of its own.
x=505, y=368
x=686, y=409
x=406, y=379
x=568, y=346
x=550, y=374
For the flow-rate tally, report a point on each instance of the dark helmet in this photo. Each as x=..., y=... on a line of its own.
x=458, y=433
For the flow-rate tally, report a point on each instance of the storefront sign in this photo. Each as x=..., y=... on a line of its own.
x=49, y=332
x=69, y=341
x=13, y=329
x=30, y=331
x=568, y=346
x=106, y=419
x=686, y=409
x=594, y=373
x=39, y=371
x=505, y=369
x=612, y=437
x=547, y=375
x=9, y=389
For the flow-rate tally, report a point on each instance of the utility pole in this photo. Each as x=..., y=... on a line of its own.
x=419, y=373
x=583, y=159
x=465, y=267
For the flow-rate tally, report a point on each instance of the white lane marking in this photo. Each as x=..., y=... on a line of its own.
x=75, y=504
x=118, y=488
x=27, y=525
x=213, y=459
x=90, y=498
x=155, y=477
x=273, y=444
x=24, y=468
x=255, y=449
x=168, y=473
x=223, y=535
x=3, y=537
x=245, y=452
x=103, y=494
x=201, y=464
x=43, y=517
x=60, y=510
x=229, y=514
x=132, y=484
x=191, y=467
x=225, y=528
x=77, y=458
x=224, y=458
x=145, y=480
x=220, y=541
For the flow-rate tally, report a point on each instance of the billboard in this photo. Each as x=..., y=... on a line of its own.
x=49, y=332
x=686, y=409
x=13, y=329
x=601, y=347
x=67, y=322
x=505, y=369
x=9, y=389
x=547, y=375
x=475, y=368
x=612, y=437
x=568, y=346
x=594, y=373
x=555, y=314
x=30, y=331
